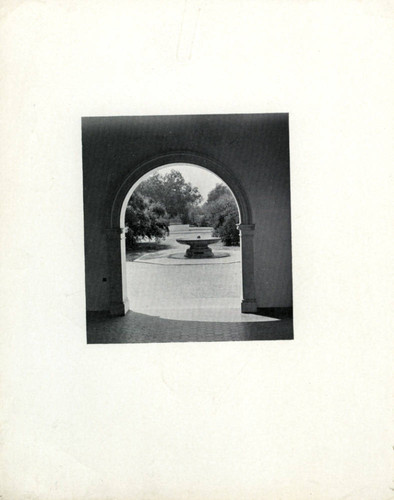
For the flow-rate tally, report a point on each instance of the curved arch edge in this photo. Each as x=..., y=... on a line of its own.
x=120, y=202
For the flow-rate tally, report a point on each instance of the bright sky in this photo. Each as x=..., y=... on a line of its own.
x=197, y=176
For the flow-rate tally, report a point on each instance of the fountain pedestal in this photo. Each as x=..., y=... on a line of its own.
x=198, y=247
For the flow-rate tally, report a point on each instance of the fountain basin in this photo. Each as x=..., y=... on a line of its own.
x=198, y=247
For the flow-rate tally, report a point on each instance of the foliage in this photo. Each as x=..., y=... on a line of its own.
x=163, y=197
x=145, y=218
x=221, y=212
x=173, y=192
x=198, y=216
x=219, y=191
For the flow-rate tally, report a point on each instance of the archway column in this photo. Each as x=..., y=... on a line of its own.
x=249, y=304
x=116, y=256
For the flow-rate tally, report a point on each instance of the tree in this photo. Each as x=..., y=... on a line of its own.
x=198, y=216
x=222, y=213
x=217, y=192
x=172, y=191
x=145, y=219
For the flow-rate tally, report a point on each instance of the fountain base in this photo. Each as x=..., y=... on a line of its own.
x=199, y=253
x=199, y=248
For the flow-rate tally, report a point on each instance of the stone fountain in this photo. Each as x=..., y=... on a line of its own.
x=198, y=247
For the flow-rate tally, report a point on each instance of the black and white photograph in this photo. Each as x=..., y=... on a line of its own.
x=196, y=272
x=187, y=228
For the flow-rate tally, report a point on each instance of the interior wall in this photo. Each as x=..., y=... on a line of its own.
x=253, y=147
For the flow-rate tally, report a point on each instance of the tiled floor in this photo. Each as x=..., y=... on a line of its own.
x=142, y=328
x=185, y=301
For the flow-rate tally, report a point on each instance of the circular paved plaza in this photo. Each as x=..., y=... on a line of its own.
x=171, y=286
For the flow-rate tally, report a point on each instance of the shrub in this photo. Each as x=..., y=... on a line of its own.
x=222, y=213
x=145, y=219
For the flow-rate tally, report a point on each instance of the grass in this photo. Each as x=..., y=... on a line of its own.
x=146, y=247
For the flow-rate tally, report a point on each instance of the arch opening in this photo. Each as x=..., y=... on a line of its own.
x=117, y=260
x=121, y=198
x=176, y=166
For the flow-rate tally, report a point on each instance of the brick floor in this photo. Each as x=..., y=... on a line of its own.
x=142, y=328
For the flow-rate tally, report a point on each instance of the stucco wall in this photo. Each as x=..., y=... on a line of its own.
x=254, y=149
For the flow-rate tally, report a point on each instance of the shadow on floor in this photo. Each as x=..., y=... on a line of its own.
x=142, y=328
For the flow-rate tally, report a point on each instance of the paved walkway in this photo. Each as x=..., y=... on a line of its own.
x=183, y=300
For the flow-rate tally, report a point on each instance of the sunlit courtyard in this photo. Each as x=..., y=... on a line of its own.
x=173, y=287
x=178, y=299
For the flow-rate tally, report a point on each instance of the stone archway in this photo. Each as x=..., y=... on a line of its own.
x=250, y=152
x=116, y=252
